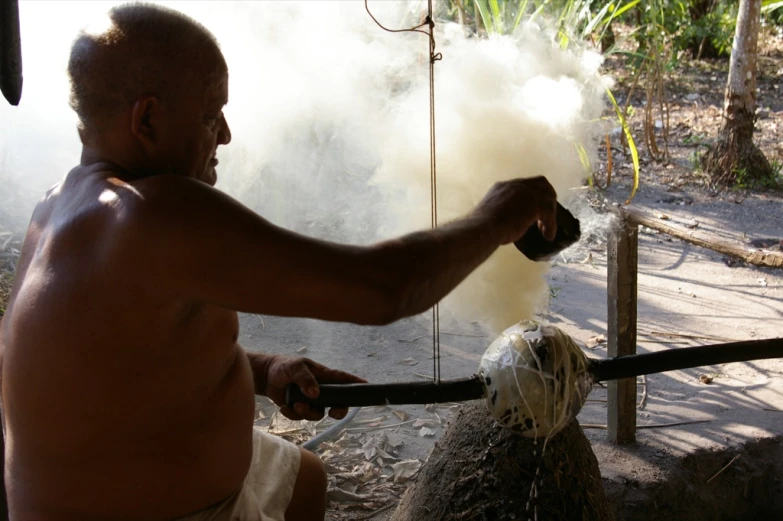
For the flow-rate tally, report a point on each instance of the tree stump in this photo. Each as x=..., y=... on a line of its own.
x=482, y=471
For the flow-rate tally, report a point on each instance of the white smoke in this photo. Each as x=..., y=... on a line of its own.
x=330, y=116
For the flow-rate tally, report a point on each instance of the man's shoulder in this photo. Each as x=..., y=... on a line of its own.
x=107, y=200
x=101, y=210
x=164, y=194
x=155, y=214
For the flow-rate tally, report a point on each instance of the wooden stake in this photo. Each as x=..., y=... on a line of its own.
x=621, y=326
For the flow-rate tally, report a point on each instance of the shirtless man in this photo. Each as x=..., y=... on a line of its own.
x=125, y=393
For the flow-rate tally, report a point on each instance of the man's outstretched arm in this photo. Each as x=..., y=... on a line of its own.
x=198, y=243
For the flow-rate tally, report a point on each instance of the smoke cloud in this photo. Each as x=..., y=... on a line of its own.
x=330, y=122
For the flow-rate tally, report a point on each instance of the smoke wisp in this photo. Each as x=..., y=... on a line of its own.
x=330, y=123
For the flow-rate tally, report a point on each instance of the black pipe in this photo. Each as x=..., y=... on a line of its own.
x=684, y=358
x=363, y=395
x=10, y=52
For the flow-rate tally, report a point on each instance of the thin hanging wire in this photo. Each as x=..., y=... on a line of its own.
x=430, y=25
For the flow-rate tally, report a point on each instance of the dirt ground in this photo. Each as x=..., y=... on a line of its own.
x=687, y=296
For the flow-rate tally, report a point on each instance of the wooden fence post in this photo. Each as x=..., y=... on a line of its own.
x=621, y=327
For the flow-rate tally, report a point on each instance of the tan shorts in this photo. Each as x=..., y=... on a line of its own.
x=268, y=487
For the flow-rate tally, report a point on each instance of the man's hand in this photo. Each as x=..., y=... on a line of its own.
x=516, y=205
x=280, y=371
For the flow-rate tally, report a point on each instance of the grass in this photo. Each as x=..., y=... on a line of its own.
x=695, y=158
x=772, y=181
x=696, y=140
x=5, y=291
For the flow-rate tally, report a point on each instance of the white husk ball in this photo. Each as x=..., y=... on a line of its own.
x=536, y=378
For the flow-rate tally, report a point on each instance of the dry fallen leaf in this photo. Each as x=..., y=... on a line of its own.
x=339, y=495
x=280, y=424
x=663, y=217
x=425, y=432
x=402, y=415
x=705, y=379
x=422, y=422
x=594, y=341
x=408, y=361
x=405, y=470
x=394, y=441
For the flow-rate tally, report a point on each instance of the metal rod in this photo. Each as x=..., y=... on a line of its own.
x=10, y=52
x=364, y=395
x=473, y=388
x=684, y=358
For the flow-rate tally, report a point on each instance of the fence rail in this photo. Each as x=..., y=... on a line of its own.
x=622, y=271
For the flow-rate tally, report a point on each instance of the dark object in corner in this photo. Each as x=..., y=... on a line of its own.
x=537, y=248
x=10, y=52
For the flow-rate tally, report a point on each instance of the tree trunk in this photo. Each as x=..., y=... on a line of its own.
x=481, y=471
x=734, y=157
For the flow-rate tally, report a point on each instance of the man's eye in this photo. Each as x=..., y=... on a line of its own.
x=211, y=121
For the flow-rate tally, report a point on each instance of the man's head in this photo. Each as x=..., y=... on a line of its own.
x=149, y=88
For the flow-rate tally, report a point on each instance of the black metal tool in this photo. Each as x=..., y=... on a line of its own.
x=10, y=52
x=474, y=388
x=537, y=248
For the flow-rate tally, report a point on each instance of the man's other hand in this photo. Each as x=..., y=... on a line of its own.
x=307, y=374
x=516, y=205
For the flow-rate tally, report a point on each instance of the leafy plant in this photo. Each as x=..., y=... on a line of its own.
x=772, y=10
x=711, y=34
x=771, y=181
x=695, y=159
x=696, y=140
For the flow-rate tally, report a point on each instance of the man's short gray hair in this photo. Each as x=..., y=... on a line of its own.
x=145, y=49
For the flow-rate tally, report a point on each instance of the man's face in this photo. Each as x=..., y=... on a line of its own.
x=199, y=127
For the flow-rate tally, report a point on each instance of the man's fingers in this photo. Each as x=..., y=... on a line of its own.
x=548, y=223
x=307, y=412
x=548, y=228
x=325, y=375
x=304, y=378
x=290, y=413
x=338, y=413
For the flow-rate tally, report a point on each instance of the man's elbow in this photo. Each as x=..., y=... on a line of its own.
x=388, y=305
x=385, y=311
x=397, y=303
x=393, y=290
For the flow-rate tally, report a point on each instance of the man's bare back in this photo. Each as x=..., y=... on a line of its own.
x=131, y=398
x=125, y=394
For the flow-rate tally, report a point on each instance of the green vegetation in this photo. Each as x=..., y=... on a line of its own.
x=5, y=291
x=772, y=181
x=652, y=36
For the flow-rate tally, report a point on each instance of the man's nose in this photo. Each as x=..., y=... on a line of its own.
x=224, y=137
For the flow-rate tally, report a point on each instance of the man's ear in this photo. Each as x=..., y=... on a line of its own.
x=146, y=118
